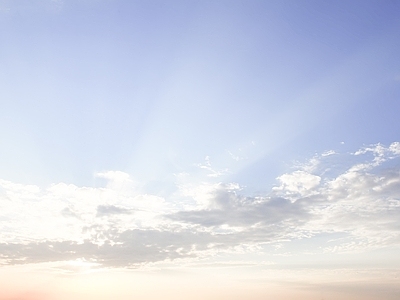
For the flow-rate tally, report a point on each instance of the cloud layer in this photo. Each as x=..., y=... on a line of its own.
x=353, y=197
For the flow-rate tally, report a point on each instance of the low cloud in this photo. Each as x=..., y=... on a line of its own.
x=237, y=211
x=351, y=199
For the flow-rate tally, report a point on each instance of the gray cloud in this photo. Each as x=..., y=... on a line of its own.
x=68, y=212
x=128, y=249
x=104, y=210
x=240, y=211
x=133, y=248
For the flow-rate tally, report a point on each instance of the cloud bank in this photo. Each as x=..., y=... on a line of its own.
x=352, y=197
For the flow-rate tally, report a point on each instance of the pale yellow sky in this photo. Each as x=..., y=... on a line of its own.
x=42, y=281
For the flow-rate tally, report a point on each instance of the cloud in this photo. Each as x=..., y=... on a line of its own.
x=237, y=211
x=212, y=172
x=129, y=248
x=299, y=182
x=340, y=202
x=68, y=212
x=104, y=210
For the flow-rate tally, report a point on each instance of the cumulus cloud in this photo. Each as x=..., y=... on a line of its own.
x=300, y=183
x=351, y=199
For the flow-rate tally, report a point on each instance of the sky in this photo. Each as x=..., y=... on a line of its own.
x=199, y=149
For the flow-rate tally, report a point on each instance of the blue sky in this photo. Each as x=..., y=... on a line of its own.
x=178, y=122
x=153, y=87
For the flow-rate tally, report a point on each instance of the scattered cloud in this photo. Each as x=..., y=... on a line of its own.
x=352, y=199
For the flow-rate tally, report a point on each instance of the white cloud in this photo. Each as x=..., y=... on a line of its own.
x=118, y=226
x=395, y=148
x=327, y=153
x=300, y=183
